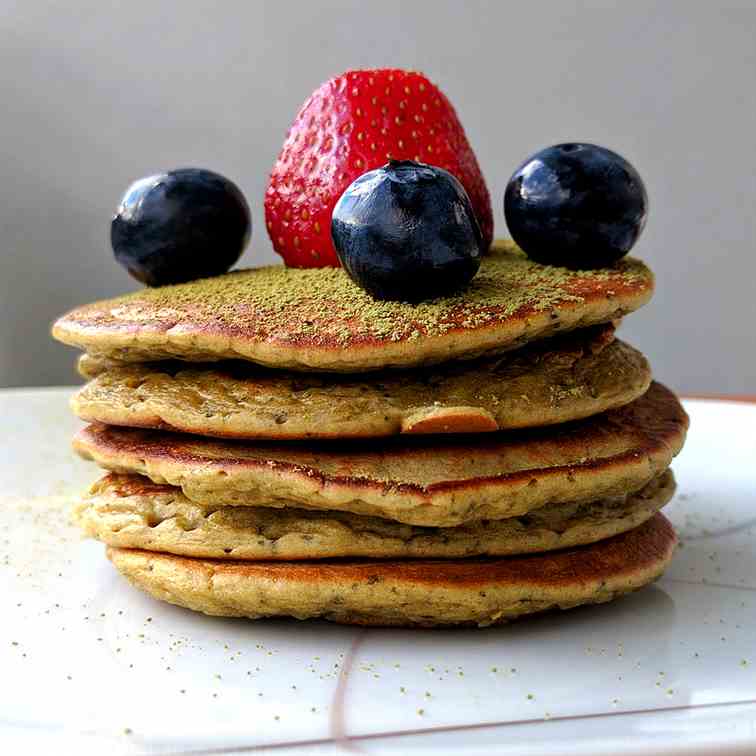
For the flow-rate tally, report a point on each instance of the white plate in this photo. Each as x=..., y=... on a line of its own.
x=90, y=665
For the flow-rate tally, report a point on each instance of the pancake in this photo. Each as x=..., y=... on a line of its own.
x=443, y=482
x=90, y=367
x=560, y=379
x=318, y=319
x=422, y=593
x=129, y=511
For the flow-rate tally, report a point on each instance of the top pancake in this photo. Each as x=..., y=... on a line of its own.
x=318, y=319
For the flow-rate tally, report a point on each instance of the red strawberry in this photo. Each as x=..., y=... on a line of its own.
x=350, y=125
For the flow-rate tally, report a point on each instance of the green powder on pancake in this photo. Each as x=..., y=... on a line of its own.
x=323, y=305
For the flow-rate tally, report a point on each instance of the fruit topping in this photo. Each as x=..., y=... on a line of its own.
x=407, y=231
x=181, y=225
x=575, y=205
x=353, y=124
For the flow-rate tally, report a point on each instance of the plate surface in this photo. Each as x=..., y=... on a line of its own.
x=92, y=666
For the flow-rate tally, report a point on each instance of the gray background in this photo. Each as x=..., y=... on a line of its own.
x=96, y=94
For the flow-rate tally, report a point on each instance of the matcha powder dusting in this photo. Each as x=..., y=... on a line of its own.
x=253, y=313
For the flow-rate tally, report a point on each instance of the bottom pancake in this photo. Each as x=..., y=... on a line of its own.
x=130, y=511
x=423, y=593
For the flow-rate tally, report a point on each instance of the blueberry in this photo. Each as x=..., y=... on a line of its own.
x=575, y=205
x=407, y=231
x=181, y=225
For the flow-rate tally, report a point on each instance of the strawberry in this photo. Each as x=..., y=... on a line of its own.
x=351, y=124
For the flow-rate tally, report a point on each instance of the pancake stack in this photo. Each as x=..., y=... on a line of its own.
x=278, y=443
